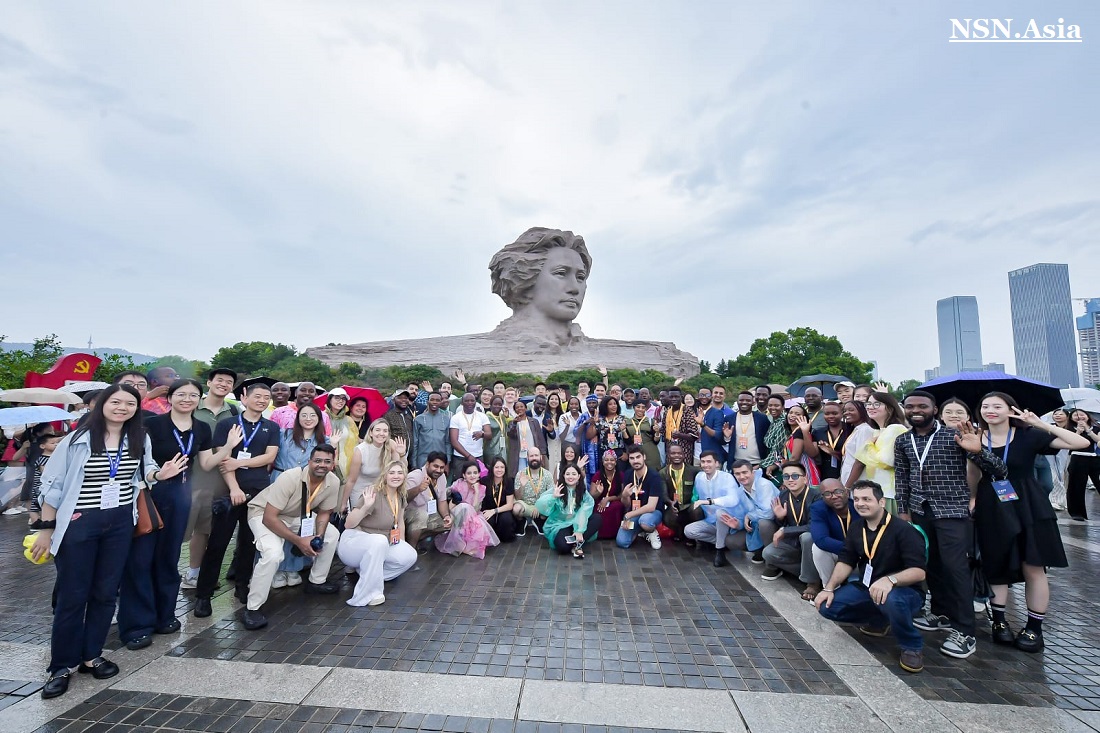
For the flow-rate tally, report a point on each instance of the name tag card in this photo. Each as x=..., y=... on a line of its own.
x=309, y=527
x=867, y=571
x=395, y=536
x=433, y=507
x=1004, y=490
x=110, y=495
x=243, y=455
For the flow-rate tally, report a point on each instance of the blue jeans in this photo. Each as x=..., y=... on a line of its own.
x=147, y=600
x=852, y=604
x=625, y=537
x=90, y=564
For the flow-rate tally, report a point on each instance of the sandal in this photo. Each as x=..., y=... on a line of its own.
x=578, y=553
x=810, y=592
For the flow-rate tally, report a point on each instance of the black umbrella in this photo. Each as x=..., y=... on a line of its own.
x=240, y=388
x=970, y=387
x=824, y=382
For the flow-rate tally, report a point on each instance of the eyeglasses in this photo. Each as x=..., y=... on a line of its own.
x=831, y=494
x=138, y=385
x=869, y=405
x=187, y=395
x=791, y=476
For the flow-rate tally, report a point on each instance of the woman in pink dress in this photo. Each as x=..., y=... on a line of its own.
x=470, y=533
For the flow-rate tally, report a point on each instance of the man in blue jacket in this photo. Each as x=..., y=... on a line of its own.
x=829, y=522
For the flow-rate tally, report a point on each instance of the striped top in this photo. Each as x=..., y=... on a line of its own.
x=97, y=472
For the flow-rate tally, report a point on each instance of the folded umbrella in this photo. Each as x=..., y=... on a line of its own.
x=970, y=387
x=82, y=387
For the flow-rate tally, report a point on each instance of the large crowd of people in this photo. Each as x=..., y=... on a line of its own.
x=888, y=514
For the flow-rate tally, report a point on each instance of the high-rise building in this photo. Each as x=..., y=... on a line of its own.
x=1042, y=324
x=1088, y=337
x=959, y=334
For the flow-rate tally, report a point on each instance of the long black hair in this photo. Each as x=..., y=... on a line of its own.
x=299, y=433
x=579, y=492
x=133, y=430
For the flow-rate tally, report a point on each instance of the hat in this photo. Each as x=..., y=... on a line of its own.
x=845, y=383
x=221, y=370
x=400, y=392
x=338, y=392
x=592, y=397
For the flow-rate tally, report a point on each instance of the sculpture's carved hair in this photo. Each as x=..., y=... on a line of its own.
x=516, y=267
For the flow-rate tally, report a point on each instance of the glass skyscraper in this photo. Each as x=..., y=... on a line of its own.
x=959, y=335
x=1042, y=324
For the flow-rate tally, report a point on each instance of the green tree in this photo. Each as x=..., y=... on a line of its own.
x=704, y=366
x=251, y=358
x=905, y=387
x=302, y=368
x=115, y=364
x=784, y=357
x=349, y=373
x=722, y=370
x=184, y=367
x=15, y=364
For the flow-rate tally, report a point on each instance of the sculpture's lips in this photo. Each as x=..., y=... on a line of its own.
x=570, y=302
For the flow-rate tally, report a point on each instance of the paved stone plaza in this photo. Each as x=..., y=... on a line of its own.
x=529, y=641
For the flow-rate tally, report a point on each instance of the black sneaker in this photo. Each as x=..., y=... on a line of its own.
x=931, y=622
x=758, y=557
x=771, y=573
x=720, y=560
x=202, y=607
x=323, y=589
x=100, y=668
x=170, y=628
x=139, y=643
x=959, y=645
x=254, y=620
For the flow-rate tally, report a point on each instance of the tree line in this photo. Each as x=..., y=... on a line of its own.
x=780, y=358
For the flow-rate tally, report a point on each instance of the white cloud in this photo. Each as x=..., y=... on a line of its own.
x=353, y=165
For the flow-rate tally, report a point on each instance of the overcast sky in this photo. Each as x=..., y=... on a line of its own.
x=178, y=177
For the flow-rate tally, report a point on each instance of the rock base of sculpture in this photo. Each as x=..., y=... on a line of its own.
x=479, y=353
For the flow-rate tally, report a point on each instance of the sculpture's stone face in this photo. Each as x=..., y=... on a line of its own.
x=559, y=290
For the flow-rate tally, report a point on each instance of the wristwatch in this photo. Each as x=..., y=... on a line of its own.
x=893, y=579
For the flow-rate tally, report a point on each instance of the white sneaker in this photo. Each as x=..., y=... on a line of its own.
x=376, y=601
x=279, y=581
x=293, y=579
x=189, y=581
x=654, y=540
x=17, y=509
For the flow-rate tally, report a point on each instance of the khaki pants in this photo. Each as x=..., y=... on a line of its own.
x=269, y=546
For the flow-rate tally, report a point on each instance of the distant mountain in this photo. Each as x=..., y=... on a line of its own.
x=138, y=358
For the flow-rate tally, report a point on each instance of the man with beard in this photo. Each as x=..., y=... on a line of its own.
x=888, y=555
x=531, y=483
x=830, y=519
x=761, y=393
x=744, y=432
x=677, y=425
x=426, y=489
x=814, y=416
x=932, y=492
x=304, y=394
x=400, y=419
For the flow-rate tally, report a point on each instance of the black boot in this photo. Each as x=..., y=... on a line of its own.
x=720, y=560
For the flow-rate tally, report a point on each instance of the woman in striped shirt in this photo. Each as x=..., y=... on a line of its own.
x=88, y=517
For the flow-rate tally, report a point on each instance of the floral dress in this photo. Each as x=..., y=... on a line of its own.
x=470, y=533
x=610, y=434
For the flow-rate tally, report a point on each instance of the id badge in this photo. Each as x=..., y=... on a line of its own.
x=243, y=455
x=742, y=443
x=637, y=438
x=636, y=504
x=867, y=575
x=1004, y=490
x=832, y=462
x=109, y=498
x=395, y=537
x=432, y=506
x=309, y=527
x=630, y=524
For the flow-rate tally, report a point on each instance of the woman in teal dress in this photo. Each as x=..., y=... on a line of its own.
x=568, y=511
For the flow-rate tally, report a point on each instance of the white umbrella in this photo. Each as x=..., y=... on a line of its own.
x=82, y=387
x=1073, y=395
x=40, y=396
x=14, y=416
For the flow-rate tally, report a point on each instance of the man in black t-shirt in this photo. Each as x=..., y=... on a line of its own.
x=246, y=474
x=643, y=497
x=889, y=555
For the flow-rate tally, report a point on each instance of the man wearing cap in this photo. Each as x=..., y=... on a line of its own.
x=814, y=414
x=205, y=484
x=295, y=509
x=304, y=394
x=844, y=391
x=431, y=432
x=400, y=418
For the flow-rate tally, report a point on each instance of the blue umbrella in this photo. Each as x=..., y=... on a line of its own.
x=10, y=416
x=970, y=387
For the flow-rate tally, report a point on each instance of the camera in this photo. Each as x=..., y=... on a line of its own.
x=317, y=543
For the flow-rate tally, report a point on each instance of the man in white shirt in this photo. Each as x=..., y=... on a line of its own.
x=468, y=428
x=715, y=489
